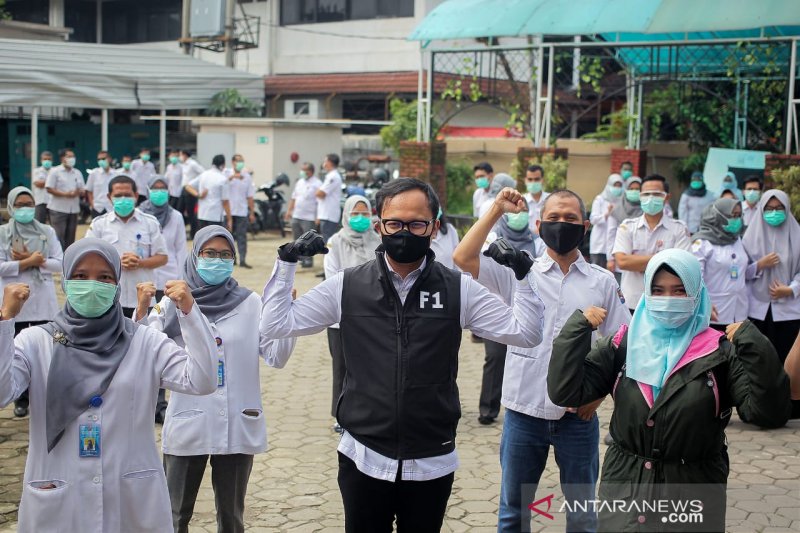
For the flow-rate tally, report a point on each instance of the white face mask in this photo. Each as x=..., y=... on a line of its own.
x=69, y=161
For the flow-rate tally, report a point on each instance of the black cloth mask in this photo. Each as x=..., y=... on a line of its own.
x=405, y=247
x=561, y=237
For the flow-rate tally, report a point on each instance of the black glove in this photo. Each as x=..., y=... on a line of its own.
x=507, y=255
x=310, y=243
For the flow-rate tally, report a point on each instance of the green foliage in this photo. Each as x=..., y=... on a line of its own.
x=460, y=187
x=788, y=180
x=231, y=103
x=684, y=167
x=404, y=124
x=555, y=170
x=466, y=86
x=614, y=127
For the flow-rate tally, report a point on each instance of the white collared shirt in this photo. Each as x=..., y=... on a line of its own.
x=141, y=235
x=725, y=269
x=239, y=191
x=305, y=199
x=174, y=233
x=535, y=209
x=329, y=208
x=634, y=237
x=210, y=208
x=748, y=212
x=141, y=173
x=40, y=195
x=174, y=177
x=97, y=184
x=584, y=285
x=599, y=219
x=481, y=312
x=191, y=169
x=61, y=179
x=478, y=198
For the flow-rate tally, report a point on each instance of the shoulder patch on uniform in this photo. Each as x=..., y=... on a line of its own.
x=696, y=245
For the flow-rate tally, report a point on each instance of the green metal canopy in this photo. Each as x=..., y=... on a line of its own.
x=464, y=19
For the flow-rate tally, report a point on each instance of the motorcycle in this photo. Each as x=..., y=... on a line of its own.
x=269, y=212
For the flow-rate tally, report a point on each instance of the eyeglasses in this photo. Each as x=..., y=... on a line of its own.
x=208, y=253
x=416, y=227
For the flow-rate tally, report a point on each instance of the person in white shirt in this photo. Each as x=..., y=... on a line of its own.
x=602, y=207
x=29, y=253
x=532, y=423
x=302, y=209
x=241, y=192
x=142, y=170
x=397, y=414
x=536, y=195
x=39, y=184
x=135, y=235
x=693, y=201
x=212, y=192
x=500, y=181
x=445, y=242
x=752, y=188
x=174, y=176
x=93, y=376
x=773, y=241
x=724, y=262
x=329, y=197
x=483, y=173
x=194, y=432
x=191, y=169
x=638, y=239
x=65, y=185
x=97, y=185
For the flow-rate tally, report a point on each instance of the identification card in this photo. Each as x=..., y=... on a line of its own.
x=221, y=373
x=734, y=271
x=89, y=445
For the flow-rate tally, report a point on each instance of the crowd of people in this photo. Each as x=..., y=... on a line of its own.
x=679, y=320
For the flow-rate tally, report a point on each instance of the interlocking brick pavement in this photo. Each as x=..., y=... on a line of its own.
x=293, y=486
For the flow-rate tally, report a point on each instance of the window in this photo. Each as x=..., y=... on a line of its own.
x=143, y=21
x=313, y=11
x=36, y=11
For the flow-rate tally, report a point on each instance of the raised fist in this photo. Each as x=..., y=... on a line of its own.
x=308, y=244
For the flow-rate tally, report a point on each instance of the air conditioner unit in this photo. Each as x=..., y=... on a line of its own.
x=301, y=108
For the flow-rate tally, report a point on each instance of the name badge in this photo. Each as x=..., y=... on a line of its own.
x=734, y=272
x=221, y=373
x=89, y=440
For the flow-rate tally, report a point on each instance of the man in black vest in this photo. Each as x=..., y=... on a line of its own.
x=401, y=318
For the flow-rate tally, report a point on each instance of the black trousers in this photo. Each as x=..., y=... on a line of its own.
x=189, y=204
x=240, y=226
x=337, y=357
x=229, y=476
x=65, y=226
x=372, y=505
x=492, y=384
x=782, y=334
x=41, y=213
x=23, y=400
x=205, y=223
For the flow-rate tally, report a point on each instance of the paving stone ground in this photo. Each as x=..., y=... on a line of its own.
x=293, y=486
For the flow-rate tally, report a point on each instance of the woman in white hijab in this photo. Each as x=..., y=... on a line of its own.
x=30, y=253
x=602, y=207
x=351, y=246
x=93, y=377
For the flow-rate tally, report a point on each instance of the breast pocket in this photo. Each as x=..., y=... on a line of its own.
x=140, y=247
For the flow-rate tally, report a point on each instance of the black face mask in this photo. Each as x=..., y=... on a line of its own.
x=405, y=247
x=561, y=237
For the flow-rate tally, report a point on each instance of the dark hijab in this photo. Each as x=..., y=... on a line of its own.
x=715, y=216
x=87, y=351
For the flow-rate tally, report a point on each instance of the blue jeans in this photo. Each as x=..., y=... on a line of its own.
x=524, y=448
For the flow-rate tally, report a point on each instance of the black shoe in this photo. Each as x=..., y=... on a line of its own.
x=321, y=275
x=244, y=265
x=486, y=420
x=20, y=411
x=160, y=417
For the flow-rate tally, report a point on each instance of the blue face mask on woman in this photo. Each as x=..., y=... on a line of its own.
x=90, y=298
x=670, y=311
x=214, y=271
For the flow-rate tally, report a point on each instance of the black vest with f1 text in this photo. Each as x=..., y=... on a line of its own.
x=400, y=396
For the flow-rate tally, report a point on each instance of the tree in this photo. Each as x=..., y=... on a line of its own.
x=404, y=124
x=231, y=103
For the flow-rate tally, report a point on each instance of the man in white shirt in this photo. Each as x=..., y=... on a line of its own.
x=329, y=196
x=38, y=184
x=240, y=196
x=97, y=185
x=483, y=173
x=212, y=192
x=191, y=169
x=397, y=452
x=639, y=239
x=302, y=209
x=143, y=170
x=174, y=176
x=136, y=236
x=532, y=423
x=751, y=188
x=65, y=184
x=536, y=195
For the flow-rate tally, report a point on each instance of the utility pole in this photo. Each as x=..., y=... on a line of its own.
x=230, y=6
x=186, y=10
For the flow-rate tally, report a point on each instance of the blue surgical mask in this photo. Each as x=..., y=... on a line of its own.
x=752, y=196
x=626, y=174
x=632, y=195
x=24, y=215
x=46, y=164
x=359, y=223
x=734, y=225
x=534, y=187
x=775, y=217
x=518, y=221
x=90, y=298
x=670, y=311
x=214, y=271
x=123, y=206
x=159, y=197
x=653, y=205
x=481, y=183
